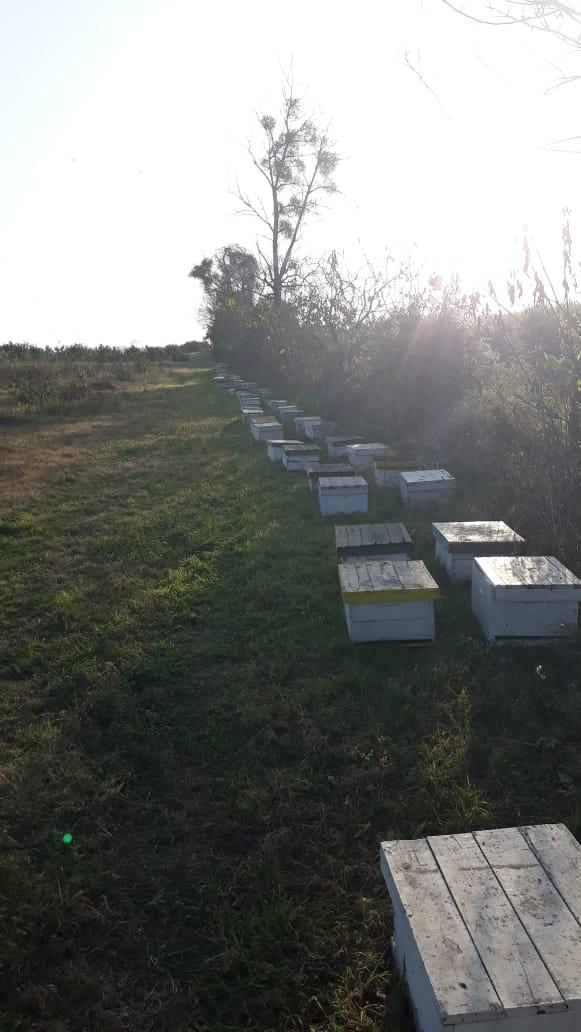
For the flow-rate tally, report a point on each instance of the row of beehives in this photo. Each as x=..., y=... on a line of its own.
x=487, y=926
x=387, y=595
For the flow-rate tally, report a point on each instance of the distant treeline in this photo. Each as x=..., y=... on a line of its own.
x=103, y=353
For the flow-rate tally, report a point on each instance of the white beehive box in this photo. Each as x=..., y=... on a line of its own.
x=247, y=412
x=288, y=413
x=421, y=487
x=299, y=456
x=388, y=600
x=281, y=410
x=457, y=544
x=301, y=423
x=266, y=431
x=337, y=444
x=316, y=431
x=362, y=455
x=248, y=399
x=274, y=446
x=259, y=418
x=525, y=599
x=273, y=403
x=386, y=472
x=373, y=541
x=487, y=928
x=326, y=469
x=342, y=495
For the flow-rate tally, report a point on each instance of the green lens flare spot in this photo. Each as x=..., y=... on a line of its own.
x=67, y=838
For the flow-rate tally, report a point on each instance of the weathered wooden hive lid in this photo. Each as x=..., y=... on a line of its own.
x=329, y=469
x=532, y=578
x=460, y=535
x=305, y=449
x=370, y=446
x=427, y=477
x=359, y=535
x=279, y=441
x=376, y=580
x=260, y=417
x=310, y=419
x=343, y=439
x=348, y=482
x=495, y=916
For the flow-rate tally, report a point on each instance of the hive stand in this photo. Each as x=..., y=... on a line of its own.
x=342, y=495
x=265, y=431
x=362, y=455
x=337, y=445
x=421, y=487
x=487, y=928
x=457, y=544
x=387, y=471
x=274, y=446
x=373, y=540
x=388, y=600
x=299, y=456
x=326, y=469
x=525, y=599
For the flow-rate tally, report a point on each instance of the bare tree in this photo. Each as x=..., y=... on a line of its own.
x=296, y=163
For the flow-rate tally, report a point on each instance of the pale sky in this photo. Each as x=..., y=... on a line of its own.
x=123, y=126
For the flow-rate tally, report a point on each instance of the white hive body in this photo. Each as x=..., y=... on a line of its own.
x=317, y=431
x=326, y=469
x=299, y=456
x=301, y=423
x=388, y=600
x=362, y=455
x=386, y=472
x=425, y=487
x=288, y=413
x=344, y=494
x=247, y=414
x=487, y=928
x=266, y=431
x=458, y=543
x=373, y=541
x=273, y=403
x=274, y=446
x=525, y=599
x=337, y=445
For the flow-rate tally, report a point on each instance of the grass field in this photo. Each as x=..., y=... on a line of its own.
x=179, y=693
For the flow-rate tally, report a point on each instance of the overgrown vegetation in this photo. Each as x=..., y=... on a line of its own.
x=179, y=693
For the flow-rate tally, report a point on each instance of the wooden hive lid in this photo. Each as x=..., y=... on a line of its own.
x=373, y=580
x=427, y=477
x=279, y=441
x=263, y=419
x=496, y=916
x=461, y=535
x=344, y=483
x=305, y=449
x=343, y=439
x=532, y=578
x=367, y=535
x=373, y=448
x=329, y=469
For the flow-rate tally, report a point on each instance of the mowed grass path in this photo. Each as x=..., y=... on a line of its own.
x=179, y=693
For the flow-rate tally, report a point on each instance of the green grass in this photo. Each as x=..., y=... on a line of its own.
x=179, y=693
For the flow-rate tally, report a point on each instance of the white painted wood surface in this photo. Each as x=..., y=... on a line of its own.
x=266, y=431
x=318, y=431
x=361, y=455
x=388, y=600
x=525, y=598
x=458, y=543
x=337, y=444
x=299, y=456
x=487, y=930
x=422, y=487
x=274, y=446
x=344, y=494
x=301, y=423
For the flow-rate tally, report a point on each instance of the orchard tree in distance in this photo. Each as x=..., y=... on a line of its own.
x=296, y=162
